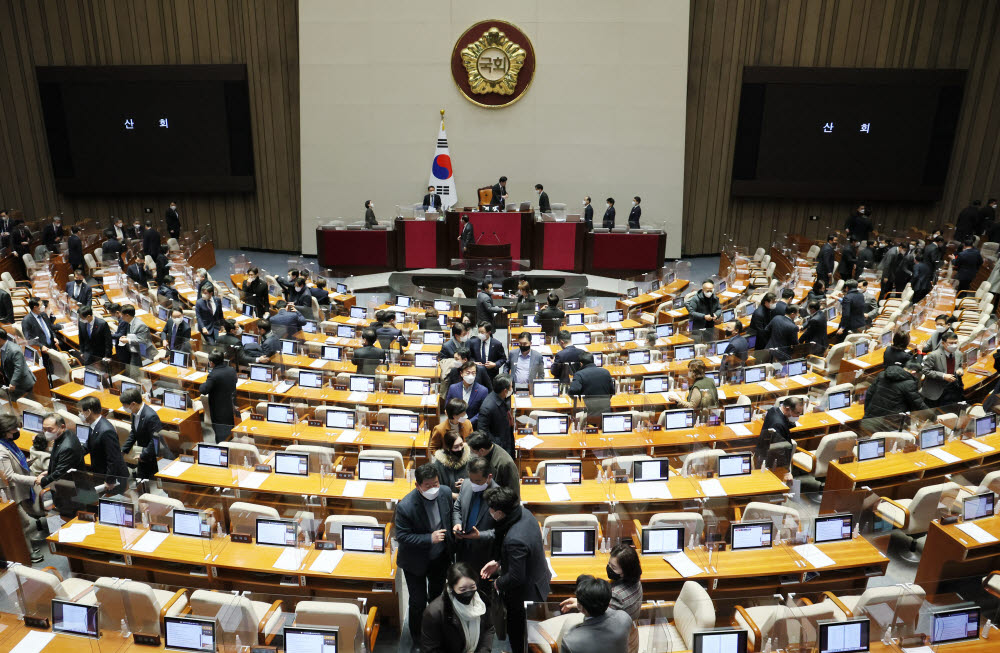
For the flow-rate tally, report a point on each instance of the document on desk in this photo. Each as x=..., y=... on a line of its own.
x=175, y=469
x=156, y=367
x=76, y=533
x=429, y=400
x=326, y=562
x=240, y=382
x=355, y=488
x=347, y=436
x=415, y=348
x=529, y=442
x=650, y=490
x=770, y=387
x=839, y=415
x=557, y=492
x=358, y=396
x=318, y=363
x=981, y=447
x=721, y=393
x=976, y=532
x=33, y=642
x=290, y=559
x=740, y=429
x=712, y=487
x=814, y=556
x=253, y=480
x=918, y=649
x=148, y=542
x=943, y=455
x=522, y=402
x=801, y=379
x=81, y=393
x=683, y=564
x=715, y=360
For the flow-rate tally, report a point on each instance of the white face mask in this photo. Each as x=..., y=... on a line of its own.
x=430, y=494
x=478, y=487
x=173, y=208
x=584, y=202
x=708, y=294
x=634, y=203
x=49, y=437
x=950, y=348
x=469, y=378
x=794, y=419
x=940, y=328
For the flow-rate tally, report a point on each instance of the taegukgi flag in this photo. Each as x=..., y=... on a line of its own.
x=442, y=175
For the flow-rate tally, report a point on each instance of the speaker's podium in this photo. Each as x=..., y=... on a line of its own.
x=495, y=251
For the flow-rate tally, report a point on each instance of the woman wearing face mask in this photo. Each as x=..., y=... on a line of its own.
x=624, y=571
x=457, y=621
x=702, y=394
x=452, y=461
x=255, y=292
x=15, y=475
x=455, y=411
x=524, y=302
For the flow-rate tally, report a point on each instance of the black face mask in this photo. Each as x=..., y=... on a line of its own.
x=464, y=598
x=524, y=348
x=13, y=435
x=455, y=454
x=612, y=574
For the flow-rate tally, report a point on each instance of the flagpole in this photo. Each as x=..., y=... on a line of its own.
x=442, y=118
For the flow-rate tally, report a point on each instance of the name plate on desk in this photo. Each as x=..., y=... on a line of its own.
x=843, y=460
x=393, y=391
x=656, y=427
x=86, y=516
x=187, y=459
x=36, y=622
x=590, y=430
x=376, y=427
x=262, y=468
x=256, y=418
x=524, y=431
x=325, y=545
x=621, y=478
x=341, y=388
x=146, y=640
x=159, y=528
x=263, y=649
x=345, y=475
x=531, y=480
x=241, y=538
x=314, y=422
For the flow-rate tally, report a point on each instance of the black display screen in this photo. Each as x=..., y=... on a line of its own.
x=845, y=133
x=132, y=129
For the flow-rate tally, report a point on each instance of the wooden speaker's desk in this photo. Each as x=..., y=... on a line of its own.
x=950, y=553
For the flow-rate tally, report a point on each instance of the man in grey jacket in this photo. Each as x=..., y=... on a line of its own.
x=473, y=525
x=17, y=377
x=942, y=370
x=603, y=630
x=486, y=310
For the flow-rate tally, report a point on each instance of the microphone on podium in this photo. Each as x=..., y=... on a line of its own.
x=481, y=234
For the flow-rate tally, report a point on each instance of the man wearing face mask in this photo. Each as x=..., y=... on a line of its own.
x=255, y=292
x=588, y=213
x=594, y=384
x=458, y=337
x=15, y=375
x=894, y=391
x=525, y=364
x=424, y=522
x=486, y=310
x=67, y=452
x=173, y=220
x=145, y=432
x=473, y=524
x=942, y=369
x=704, y=308
x=488, y=351
x=518, y=566
x=635, y=213
x=220, y=389
x=777, y=427
x=95, y=337
x=496, y=420
x=608, y=221
x=941, y=326
x=468, y=390
x=176, y=333
x=105, y=451
x=760, y=318
x=543, y=200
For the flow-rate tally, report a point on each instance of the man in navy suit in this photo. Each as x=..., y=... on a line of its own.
x=635, y=213
x=37, y=327
x=208, y=310
x=567, y=359
x=432, y=200
x=588, y=213
x=287, y=321
x=78, y=289
x=487, y=350
x=95, y=337
x=176, y=332
x=145, y=432
x=609, y=215
x=473, y=393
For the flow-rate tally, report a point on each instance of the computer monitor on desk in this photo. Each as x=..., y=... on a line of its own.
x=678, y=419
x=277, y=532
x=189, y=634
x=612, y=423
x=553, y=424
x=310, y=379
x=345, y=331
x=339, y=418
x=545, y=388
x=755, y=374
x=735, y=465
x=573, y=541
x=657, y=540
x=871, y=449
x=362, y=383
x=416, y=387
x=249, y=339
x=261, y=373
x=720, y=640
x=404, y=423
x=570, y=472
x=364, y=539
x=213, y=455
x=954, y=625
x=657, y=469
x=932, y=437
x=332, y=353
x=375, y=469
x=986, y=425
x=683, y=352
x=750, y=535
x=111, y=512
x=833, y=528
x=191, y=523
x=433, y=337
x=838, y=400
x=733, y=415
x=978, y=506
x=850, y=636
x=75, y=618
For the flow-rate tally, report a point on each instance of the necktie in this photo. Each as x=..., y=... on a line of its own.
x=173, y=335
x=45, y=329
x=485, y=342
x=89, y=325
x=474, y=510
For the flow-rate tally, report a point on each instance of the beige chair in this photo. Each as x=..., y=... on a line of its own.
x=894, y=440
x=32, y=406
x=241, y=451
x=546, y=636
x=622, y=463
x=701, y=462
x=243, y=516
x=540, y=470
x=792, y=625
x=317, y=455
x=141, y=606
x=693, y=611
x=831, y=447
x=902, y=602
x=830, y=364
x=333, y=526
x=356, y=633
x=570, y=521
x=253, y=621
x=37, y=588
x=913, y=516
x=991, y=583
x=693, y=523
x=786, y=520
x=158, y=507
x=395, y=456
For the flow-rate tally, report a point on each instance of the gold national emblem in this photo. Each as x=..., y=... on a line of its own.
x=493, y=62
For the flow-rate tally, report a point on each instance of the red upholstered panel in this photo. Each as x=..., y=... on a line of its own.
x=506, y=225
x=356, y=247
x=421, y=244
x=625, y=252
x=558, y=245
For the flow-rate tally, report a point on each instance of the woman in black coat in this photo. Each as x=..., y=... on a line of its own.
x=457, y=620
x=255, y=292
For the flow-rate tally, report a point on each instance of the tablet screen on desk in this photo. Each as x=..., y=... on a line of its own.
x=332, y=353
x=339, y=418
x=310, y=640
x=651, y=470
x=213, y=455
x=404, y=301
x=678, y=419
x=871, y=449
x=276, y=532
x=162, y=313
x=262, y=373
x=115, y=513
x=831, y=313
x=293, y=464
x=280, y=414
x=175, y=399
x=360, y=383
x=638, y=357
x=986, y=425
x=248, y=310
x=616, y=422
x=249, y=339
x=978, y=506
x=833, y=528
x=573, y=541
x=189, y=634
x=74, y=618
x=664, y=330
x=571, y=304
x=860, y=348
x=838, y=400
x=92, y=379
x=574, y=319
x=553, y=424
x=849, y=636
x=735, y=465
x=416, y=386
x=954, y=625
x=683, y=353
x=794, y=368
x=341, y=288
x=728, y=315
x=754, y=374
x=375, y=469
x=32, y=421
x=737, y=415
x=559, y=472
x=750, y=535
x=544, y=388
x=425, y=360
x=932, y=437
x=192, y=523
x=632, y=292
x=289, y=347
x=886, y=338
x=599, y=359
x=442, y=305
x=310, y=326
x=721, y=640
x=581, y=338
x=400, y=423
x=537, y=339
x=310, y=379
x=359, y=312
x=345, y=331
x=178, y=358
x=652, y=384
x=614, y=316
x=529, y=321
x=657, y=540
x=624, y=335
x=433, y=337
x=368, y=539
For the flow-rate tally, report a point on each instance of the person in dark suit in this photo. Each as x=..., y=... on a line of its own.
x=368, y=357
x=208, y=311
x=635, y=213
x=53, y=234
x=783, y=335
x=135, y=231
x=761, y=317
x=499, y=198
x=287, y=284
x=551, y=311
x=737, y=351
x=117, y=229
x=37, y=327
x=150, y=240
x=220, y=388
x=6, y=307
x=814, y=329
x=287, y=321
x=468, y=390
x=467, y=237
x=67, y=452
x=609, y=214
x=967, y=264
x=968, y=220
x=495, y=418
x=201, y=281
x=852, y=312
x=988, y=215
x=424, y=527
x=370, y=220
x=942, y=370
x=473, y=524
x=298, y=294
x=487, y=350
x=923, y=277
x=21, y=238
x=17, y=376
x=122, y=353
x=103, y=446
x=567, y=359
x=429, y=322
x=176, y=334
x=594, y=384
x=486, y=310
x=520, y=570
x=858, y=224
x=463, y=356
x=74, y=248
x=934, y=253
x=603, y=628
x=111, y=250
x=95, y=337
x=784, y=305
x=458, y=340
x=78, y=289
x=432, y=201
x=704, y=307
x=6, y=228
x=387, y=332
x=173, y=220
x=320, y=292
x=167, y=293
x=162, y=263
x=893, y=267
x=524, y=363
x=145, y=432
x=777, y=427
x=543, y=200
x=848, y=268
x=138, y=273
x=824, y=261
x=588, y=213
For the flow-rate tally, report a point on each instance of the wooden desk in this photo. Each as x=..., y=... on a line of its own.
x=13, y=548
x=302, y=433
x=950, y=554
x=187, y=422
x=653, y=298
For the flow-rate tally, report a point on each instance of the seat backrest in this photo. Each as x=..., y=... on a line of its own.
x=243, y=516
x=37, y=589
x=693, y=611
x=990, y=482
x=905, y=601
x=397, y=459
x=346, y=617
x=333, y=527
x=798, y=625
x=693, y=522
x=143, y=608
x=568, y=521
x=834, y=356
x=924, y=506
x=238, y=451
x=113, y=599
x=701, y=461
x=832, y=447
x=234, y=613
x=781, y=516
x=623, y=463
x=317, y=455
x=157, y=506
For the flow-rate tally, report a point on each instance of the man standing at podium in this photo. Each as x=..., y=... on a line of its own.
x=499, y=193
x=432, y=201
x=467, y=237
x=543, y=200
x=635, y=213
x=609, y=215
x=588, y=213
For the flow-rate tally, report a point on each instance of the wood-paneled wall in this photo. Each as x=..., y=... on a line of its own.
x=263, y=34
x=727, y=35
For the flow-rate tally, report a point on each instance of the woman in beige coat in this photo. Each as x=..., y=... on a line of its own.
x=17, y=481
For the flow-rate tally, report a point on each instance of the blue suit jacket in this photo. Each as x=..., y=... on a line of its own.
x=479, y=393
